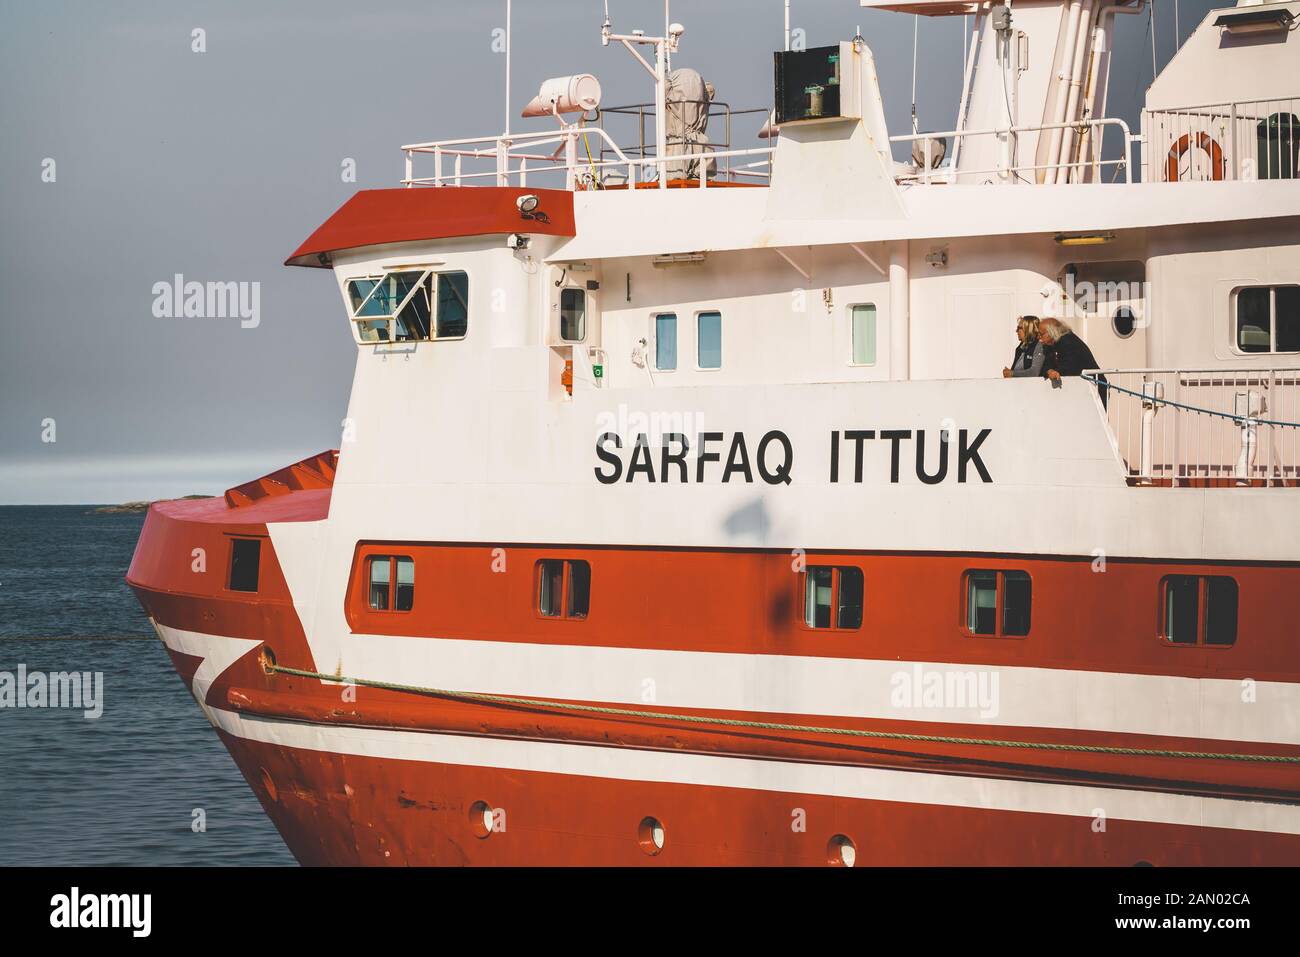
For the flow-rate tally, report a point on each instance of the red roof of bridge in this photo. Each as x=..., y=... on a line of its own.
x=376, y=216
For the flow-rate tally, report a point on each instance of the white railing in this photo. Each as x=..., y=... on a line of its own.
x=513, y=158
x=1206, y=427
x=1089, y=166
x=1246, y=139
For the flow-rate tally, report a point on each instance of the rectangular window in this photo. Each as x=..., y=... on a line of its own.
x=578, y=595
x=391, y=582
x=864, y=335
x=998, y=603
x=573, y=314
x=404, y=587
x=1182, y=608
x=666, y=341
x=453, y=305
x=833, y=589
x=1199, y=610
x=410, y=305
x=1267, y=319
x=381, y=567
x=709, y=340
x=563, y=588
x=245, y=562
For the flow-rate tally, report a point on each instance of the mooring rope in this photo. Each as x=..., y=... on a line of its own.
x=775, y=726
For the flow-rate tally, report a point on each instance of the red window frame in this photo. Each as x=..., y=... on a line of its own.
x=1202, y=618
x=836, y=573
x=366, y=562
x=999, y=602
x=566, y=590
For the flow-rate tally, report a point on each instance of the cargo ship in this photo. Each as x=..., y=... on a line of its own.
x=684, y=514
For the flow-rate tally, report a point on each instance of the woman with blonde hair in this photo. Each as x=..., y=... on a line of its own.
x=1030, y=354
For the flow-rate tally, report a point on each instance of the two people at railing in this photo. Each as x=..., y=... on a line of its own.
x=1051, y=349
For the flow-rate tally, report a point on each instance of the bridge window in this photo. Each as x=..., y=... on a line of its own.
x=391, y=583
x=833, y=590
x=573, y=314
x=245, y=562
x=453, y=305
x=998, y=603
x=666, y=341
x=709, y=340
x=1267, y=318
x=410, y=305
x=563, y=588
x=864, y=334
x=1199, y=610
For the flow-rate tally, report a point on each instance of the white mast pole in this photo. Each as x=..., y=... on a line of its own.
x=661, y=109
x=668, y=54
x=916, y=29
x=1154, y=70
x=507, y=67
x=787, y=25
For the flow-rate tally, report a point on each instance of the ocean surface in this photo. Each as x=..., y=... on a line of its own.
x=123, y=788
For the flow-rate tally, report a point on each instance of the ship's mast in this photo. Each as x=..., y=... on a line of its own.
x=664, y=47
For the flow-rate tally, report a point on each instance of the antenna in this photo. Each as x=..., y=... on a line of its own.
x=916, y=29
x=787, y=25
x=663, y=46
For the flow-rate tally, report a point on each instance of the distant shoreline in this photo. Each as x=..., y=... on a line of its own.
x=128, y=507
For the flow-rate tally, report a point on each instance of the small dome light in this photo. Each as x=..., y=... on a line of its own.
x=527, y=203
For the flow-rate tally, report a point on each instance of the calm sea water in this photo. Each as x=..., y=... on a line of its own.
x=123, y=788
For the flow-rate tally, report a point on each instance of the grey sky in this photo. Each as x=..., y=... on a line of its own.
x=216, y=165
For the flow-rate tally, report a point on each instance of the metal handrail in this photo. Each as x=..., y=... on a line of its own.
x=927, y=175
x=1181, y=425
x=570, y=164
x=1096, y=379
x=1238, y=159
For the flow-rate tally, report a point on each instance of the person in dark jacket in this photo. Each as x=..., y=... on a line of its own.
x=1067, y=354
x=1030, y=353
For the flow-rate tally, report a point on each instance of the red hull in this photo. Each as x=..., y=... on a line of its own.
x=336, y=802
x=336, y=809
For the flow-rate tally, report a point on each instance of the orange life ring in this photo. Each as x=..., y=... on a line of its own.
x=1185, y=142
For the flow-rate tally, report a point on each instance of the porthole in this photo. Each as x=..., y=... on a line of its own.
x=841, y=851
x=651, y=836
x=481, y=818
x=1123, y=322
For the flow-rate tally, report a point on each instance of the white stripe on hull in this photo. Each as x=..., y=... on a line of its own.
x=877, y=784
